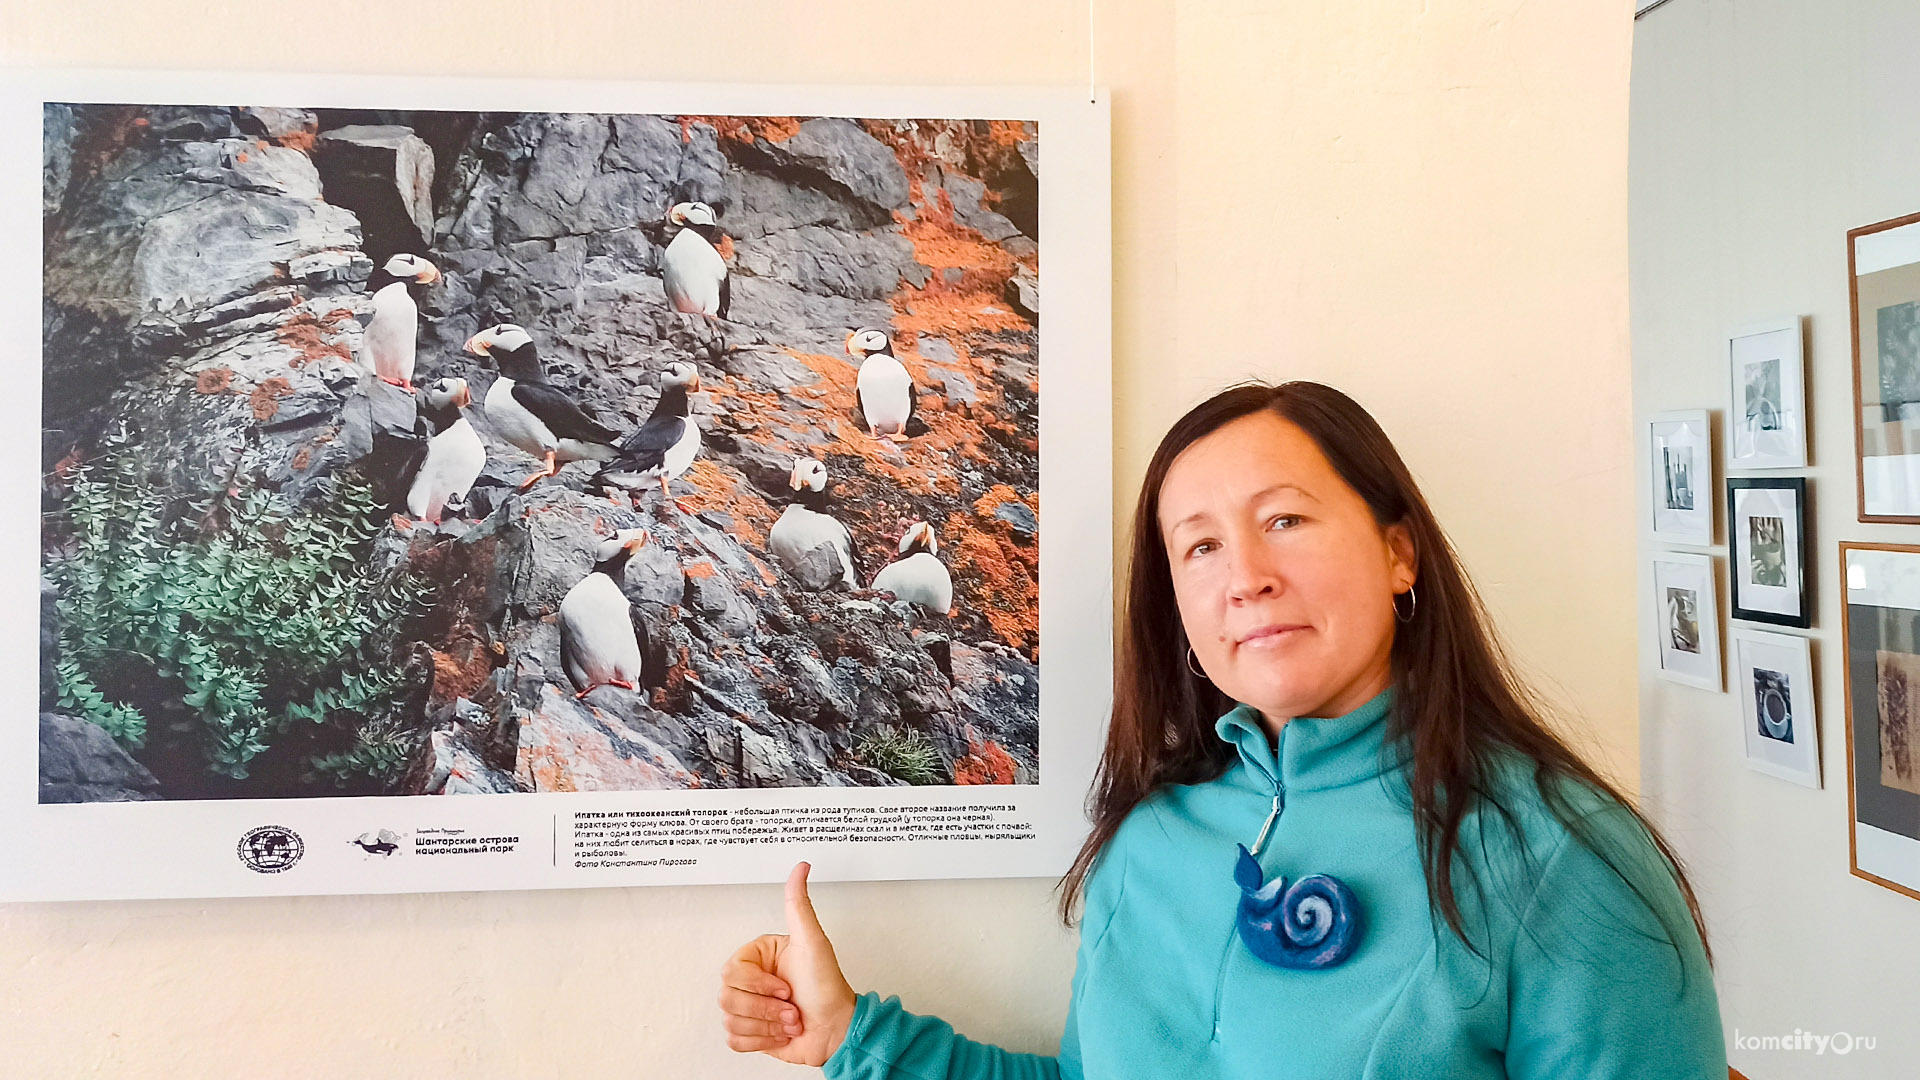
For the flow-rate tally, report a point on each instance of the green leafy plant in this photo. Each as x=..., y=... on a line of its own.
x=904, y=754
x=253, y=617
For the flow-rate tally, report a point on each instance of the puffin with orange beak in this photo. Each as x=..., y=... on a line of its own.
x=806, y=526
x=692, y=269
x=533, y=415
x=918, y=576
x=387, y=348
x=454, y=454
x=601, y=635
x=886, y=390
x=663, y=447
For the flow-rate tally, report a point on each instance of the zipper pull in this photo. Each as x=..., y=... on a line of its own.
x=1267, y=826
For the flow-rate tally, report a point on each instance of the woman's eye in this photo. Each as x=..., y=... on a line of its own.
x=1201, y=548
x=1283, y=521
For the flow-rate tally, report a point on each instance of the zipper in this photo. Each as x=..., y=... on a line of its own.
x=1233, y=928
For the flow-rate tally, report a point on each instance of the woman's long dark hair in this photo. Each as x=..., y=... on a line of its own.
x=1458, y=704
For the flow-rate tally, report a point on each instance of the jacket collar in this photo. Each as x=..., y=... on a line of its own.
x=1314, y=752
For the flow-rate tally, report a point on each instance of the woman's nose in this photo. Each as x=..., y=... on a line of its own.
x=1255, y=572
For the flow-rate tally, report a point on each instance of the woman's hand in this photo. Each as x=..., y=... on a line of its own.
x=783, y=994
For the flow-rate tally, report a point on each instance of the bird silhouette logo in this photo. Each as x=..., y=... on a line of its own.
x=385, y=843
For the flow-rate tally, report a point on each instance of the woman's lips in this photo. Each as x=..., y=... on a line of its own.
x=1270, y=635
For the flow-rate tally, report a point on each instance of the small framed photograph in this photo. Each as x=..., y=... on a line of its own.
x=1767, y=549
x=1681, y=449
x=1687, y=613
x=1880, y=629
x=1775, y=676
x=1883, y=262
x=1767, y=413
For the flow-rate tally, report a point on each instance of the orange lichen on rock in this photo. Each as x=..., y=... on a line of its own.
x=308, y=337
x=299, y=140
x=987, y=762
x=213, y=380
x=453, y=678
x=743, y=128
x=717, y=487
x=1002, y=575
x=265, y=399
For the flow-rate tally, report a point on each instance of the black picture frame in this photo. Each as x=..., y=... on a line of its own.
x=1794, y=563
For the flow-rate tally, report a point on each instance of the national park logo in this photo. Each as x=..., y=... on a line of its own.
x=270, y=849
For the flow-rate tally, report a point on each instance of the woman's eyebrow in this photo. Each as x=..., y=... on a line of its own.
x=1199, y=515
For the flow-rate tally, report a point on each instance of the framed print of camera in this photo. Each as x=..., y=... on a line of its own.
x=1767, y=413
x=1767, y=549
x=1680, y=445
x=1880, y=629
x=1688, y=610
x=1774, y=673
x=1883, y=264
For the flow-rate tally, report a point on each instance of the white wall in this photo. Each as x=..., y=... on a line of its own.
x=1762, y=130
x=1420, y=201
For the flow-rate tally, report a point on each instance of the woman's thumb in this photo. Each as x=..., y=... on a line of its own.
x=802, y=923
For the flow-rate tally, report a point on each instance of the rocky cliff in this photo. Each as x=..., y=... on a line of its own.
x=205, y=294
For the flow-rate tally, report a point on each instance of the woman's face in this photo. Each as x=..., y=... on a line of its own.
x=1284, y=580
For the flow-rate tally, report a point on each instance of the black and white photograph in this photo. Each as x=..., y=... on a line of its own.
x=1775, y=673
x=1767, y=426
x=1680, y=450
x=1767, y=523
x=1687, y=608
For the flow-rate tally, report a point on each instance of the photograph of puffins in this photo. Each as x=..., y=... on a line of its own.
x=393, y=452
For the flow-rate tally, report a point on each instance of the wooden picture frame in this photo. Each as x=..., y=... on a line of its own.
x=1880, y=607
x=1883, y=278
x=1768, y=553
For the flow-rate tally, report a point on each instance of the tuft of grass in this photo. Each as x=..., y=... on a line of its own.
x=904, y=754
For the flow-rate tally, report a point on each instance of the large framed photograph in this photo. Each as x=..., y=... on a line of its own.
x=662, y=468
x=1881, y=631
x=1777, y=705
x=1883, y=264
x=1767, y=550
x=1680, y=452
x=1687, y=616
x=1767, y=417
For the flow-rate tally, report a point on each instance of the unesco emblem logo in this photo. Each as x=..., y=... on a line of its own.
x=270, y=849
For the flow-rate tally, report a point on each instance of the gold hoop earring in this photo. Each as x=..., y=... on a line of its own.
x=1413, y=605
x=1193, y=666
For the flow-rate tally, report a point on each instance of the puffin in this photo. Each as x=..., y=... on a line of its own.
x=886, y=390
x=600, y=637
x=692, y=270
x=454, y=454
x=806, y=525
x=387, y=347
x=918, y=576
x=663, y=447
x=532, y=414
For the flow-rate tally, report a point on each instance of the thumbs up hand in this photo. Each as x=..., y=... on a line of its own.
x=783, y=994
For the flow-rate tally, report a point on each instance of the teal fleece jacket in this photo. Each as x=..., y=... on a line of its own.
x=1577, y=977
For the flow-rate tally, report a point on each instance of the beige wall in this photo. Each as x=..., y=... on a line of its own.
x=1762, y=131
x=1422, y=202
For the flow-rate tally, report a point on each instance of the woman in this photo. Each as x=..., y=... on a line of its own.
x=1331, y=700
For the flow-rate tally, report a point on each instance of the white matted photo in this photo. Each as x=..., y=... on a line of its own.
x=1777, y=714
x=1680, y=449
x=657, y=468
x=1767, y=412
x=1767, y=550
x=1687, y=619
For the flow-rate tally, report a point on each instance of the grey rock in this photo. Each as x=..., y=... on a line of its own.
x=1019, y=516
x=384, y=174
x=1023, y=291
x=80, y=762
x=272, y=123
x=839, y=151
x=56, y=168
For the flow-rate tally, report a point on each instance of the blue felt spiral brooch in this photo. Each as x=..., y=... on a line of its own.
x=1315, y=924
